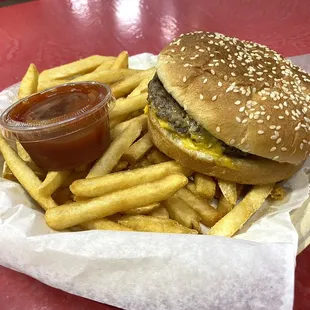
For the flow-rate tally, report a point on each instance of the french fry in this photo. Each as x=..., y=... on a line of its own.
x=45, y=84
x=179, y=211
x=160, y=212
x=277, y=193
x=143, y=162
x=235, y=219
x=192, y=188
x=154, y=224
x=209, y=216
x=141, y=88
x=53, y=180
x=106, y=76
x=157, y=157
x=229, y=190
x=104, y=224
x=29, y=83
x=117, y=120
x=22, y=153
x=138, y=149
x=95, y=187
x=107, y=64
x=121, y=61
x=7, y=173
x=126, y=106
x=73, y=176
x=224, y=206
x=118, y=147
x=118, y=129
x=74, y=68
x=123, y=88
x=143, y=210
x=25, y=175
x=69, y=215
x=121, y=165
x=205, y=186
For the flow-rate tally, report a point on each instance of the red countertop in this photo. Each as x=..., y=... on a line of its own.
x=52, y=32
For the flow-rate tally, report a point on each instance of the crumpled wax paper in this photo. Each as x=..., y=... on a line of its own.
x=132, y=270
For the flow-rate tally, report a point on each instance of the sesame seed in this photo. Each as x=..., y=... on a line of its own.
x=241, y=109
x=183, y=49
x=205, y=81
x=276, y=158
x=237, y=102
x=260, y=121
x=212, y=72
x=214, y=98
x=273, y=149
x=185, y=65
x=238, y=119
x=261, y=132
x=218, y=129
x=242, y=140
x=225, y=78
x=287, y=113
x=232, y=141
x=172, y=50
x=274, y=137
x=272, y=127
x=268, y=117
x=279, y=141
x=182, y=58
x=301, y=146
x=220, y=84
x=281, y=117
x=184, y=78
x=201, y=50
x=283, y=149
x=244, y=121
x=278, y=127
x=233, y=73
x=201, y=97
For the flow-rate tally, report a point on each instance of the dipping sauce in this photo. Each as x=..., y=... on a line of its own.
x=63, y=127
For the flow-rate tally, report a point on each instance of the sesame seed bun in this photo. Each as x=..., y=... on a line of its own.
x=240, y=170
x=244, y=94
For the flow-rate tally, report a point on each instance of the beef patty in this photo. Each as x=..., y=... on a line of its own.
x=167, y=109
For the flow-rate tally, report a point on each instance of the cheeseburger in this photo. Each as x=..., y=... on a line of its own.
x=229, y=108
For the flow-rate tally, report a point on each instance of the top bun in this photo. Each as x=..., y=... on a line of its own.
x=243, y=93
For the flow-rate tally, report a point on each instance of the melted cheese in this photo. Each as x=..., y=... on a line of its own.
x=208, y=145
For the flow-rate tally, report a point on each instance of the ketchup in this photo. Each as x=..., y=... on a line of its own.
x=64, y=127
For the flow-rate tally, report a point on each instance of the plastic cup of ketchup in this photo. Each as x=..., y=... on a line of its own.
x=63, y=127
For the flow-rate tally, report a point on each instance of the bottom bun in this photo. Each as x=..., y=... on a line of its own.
x=255, y=170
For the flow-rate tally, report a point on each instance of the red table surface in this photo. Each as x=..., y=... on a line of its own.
x=52, y=32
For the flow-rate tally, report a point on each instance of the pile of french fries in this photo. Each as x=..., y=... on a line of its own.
x=133, y=186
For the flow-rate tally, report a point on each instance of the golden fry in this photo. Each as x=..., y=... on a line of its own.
x=69, y=215
x=104, y=224
x=229, y=190
x=118, y=129
x=53, y=180
x=278, y=192
x=192, y=188
x=106, y=76
x=143, y=210
x=138, y=149
x=126, y=106
x=235, y=219
x=25, y=175
x=95, y=187
x=107, y=64
x=117, y=120
x=157, y=157
x=74, y=68
x=123, y=88
x=209, y=216
x=205, y=186
x=118, y=147
x=160, y=212
x=121, y=61
x=141, y=88
x=179, y=211
x=224, y=206
x=121, y=165
x=7, y=173
x=45, y=84
x=29, y=83
x=154, y=224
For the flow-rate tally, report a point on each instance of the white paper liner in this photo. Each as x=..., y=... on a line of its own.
x=157, y=271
